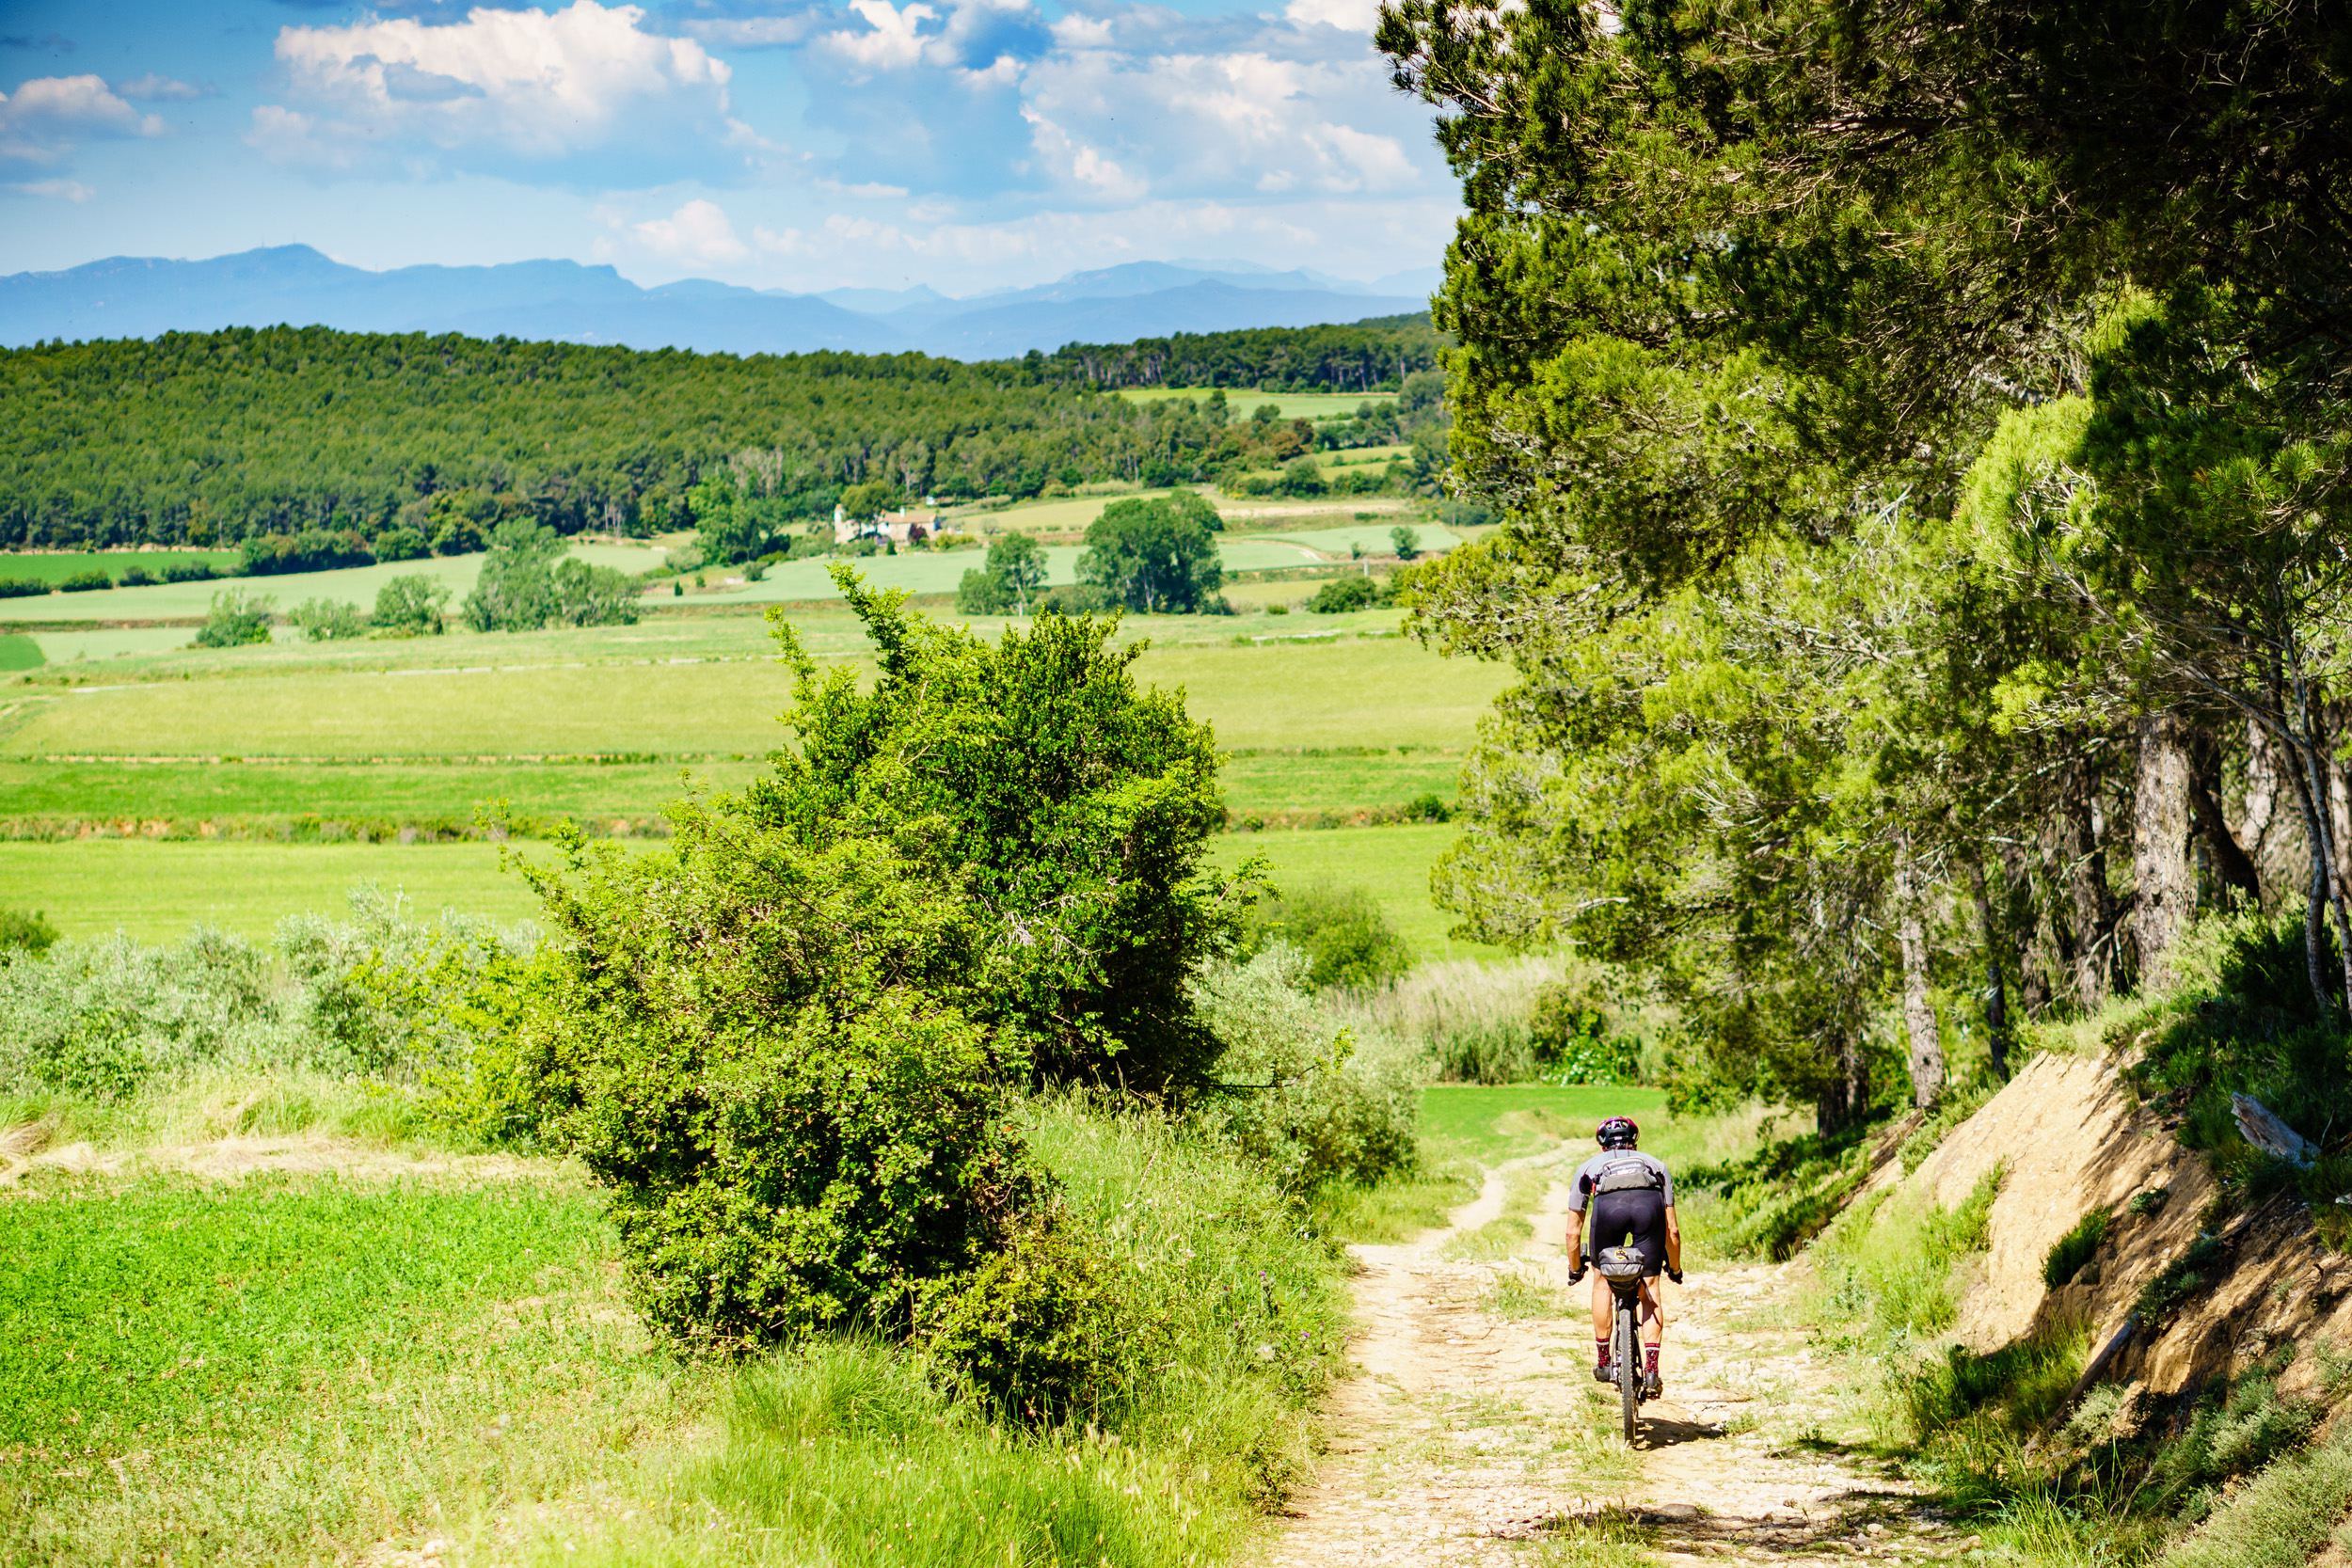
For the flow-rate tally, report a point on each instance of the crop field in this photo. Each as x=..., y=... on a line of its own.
x=358, y=585
x=69, y=625
x=1289, y=405
x=58, y=565
x=232, y=787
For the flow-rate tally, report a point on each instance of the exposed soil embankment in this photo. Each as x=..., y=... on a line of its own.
x=2072, y=1140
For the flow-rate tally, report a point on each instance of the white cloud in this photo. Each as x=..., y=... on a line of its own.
x=891, y=40
x=699, y=232
x=1078, y=164
x=47, y=116
x=755, y=32
x=55, y=190
x=1082, y=32
x=1353, y=16
x=532, y=84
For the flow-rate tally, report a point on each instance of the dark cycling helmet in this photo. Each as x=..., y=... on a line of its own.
x=1618, y=1132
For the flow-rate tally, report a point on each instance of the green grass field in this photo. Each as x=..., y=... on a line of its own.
x=1240, y=403
x=188, y=793
x=247, y=1372
x=358, y=585
x=1382, y=693
x=158, y=891
x=58, y=565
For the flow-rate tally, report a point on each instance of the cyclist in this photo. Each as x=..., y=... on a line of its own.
x=1632, y=1200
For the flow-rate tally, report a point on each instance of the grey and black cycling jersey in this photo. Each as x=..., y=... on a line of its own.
x=1617, y=1171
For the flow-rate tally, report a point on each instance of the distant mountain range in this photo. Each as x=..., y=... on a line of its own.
x=143, y=296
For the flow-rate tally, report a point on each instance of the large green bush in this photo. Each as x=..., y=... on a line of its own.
x=1343, y=931
x=1065, y=812
x=1309, y=1102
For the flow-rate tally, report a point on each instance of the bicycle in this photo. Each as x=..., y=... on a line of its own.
x=1621, y=1266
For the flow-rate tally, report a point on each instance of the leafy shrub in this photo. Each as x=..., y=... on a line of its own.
x=2070, y=1251
x=1156, y=557
x=1338, y=596
x=2233, y=1431
x=796, y=1135
x=398, y=543
x=313, y=550
x=236, y=620
x=1031, y=783
x=412, y=604
x=22, y=932
x=98, y=1021
x=1040, y=1329
x=1317, y=1109
x=327, y=620
x=527, y=582
x=135, y=576
x=21, y=587
x=1076, y=599
x=85, y=581
x=1407, y=541
x=190, y=571
x=1343, y=932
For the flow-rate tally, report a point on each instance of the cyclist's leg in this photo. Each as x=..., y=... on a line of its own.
x=1653, y=1313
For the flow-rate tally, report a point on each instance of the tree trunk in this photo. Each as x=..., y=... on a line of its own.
x=2164, y=877
x=2083, y=864
x=1911, y=941
x=1995, y=933
x=2037, y=947
x=1845, y=1099
x=2234, y=869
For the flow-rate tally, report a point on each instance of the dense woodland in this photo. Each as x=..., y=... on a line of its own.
x=1929, y=466
x=1363, y=357
x=216, y=439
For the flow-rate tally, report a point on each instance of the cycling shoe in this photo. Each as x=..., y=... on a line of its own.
x=1604, y=1372
x=1652, y=1384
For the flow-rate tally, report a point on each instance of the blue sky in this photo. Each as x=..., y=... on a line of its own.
x=797, y=144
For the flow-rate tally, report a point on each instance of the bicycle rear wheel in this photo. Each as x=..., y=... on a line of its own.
x=1629, y=1357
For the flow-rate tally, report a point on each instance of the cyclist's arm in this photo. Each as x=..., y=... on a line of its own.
x=1674, y=1239
x=1576, y=1240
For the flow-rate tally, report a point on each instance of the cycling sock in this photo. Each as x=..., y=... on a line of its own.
x=1600, y=1351
x=1651, y=1364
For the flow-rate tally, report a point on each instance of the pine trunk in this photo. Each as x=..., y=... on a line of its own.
x=1911, y=941
x=2083, y=867
x=1993, y=931
x=2164, y=876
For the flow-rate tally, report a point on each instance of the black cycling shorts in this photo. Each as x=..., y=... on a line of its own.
x=1634, y=1217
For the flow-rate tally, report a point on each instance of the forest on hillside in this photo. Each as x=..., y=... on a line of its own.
x=1927, y=459
x=1362, y=356
x=217, y=437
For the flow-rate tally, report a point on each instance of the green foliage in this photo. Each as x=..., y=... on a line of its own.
x=1062, y=809
x=1343, y=936
x=1315, y=1107
x=1408, y=542
x=1338, y=595
x=411, y=605
x=2070, y=1251
x=2238, y=1427
x=24, y=931
x=85, y=581
x=1779, y=1198
x=528, y=582
x=1368, y=356
x=1040, y=1329
x=327, y=620
x=236, y=620
x=1013, y=576
x=1156, y=557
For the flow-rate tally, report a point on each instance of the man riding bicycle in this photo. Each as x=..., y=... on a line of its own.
x=1632, y=1198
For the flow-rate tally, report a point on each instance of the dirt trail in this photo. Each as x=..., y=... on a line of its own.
x=1475, y=1433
